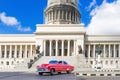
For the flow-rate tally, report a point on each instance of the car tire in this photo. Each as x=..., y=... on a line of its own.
x=59, y=72
x=52, y=71
x=68, y=72
x=40, y=73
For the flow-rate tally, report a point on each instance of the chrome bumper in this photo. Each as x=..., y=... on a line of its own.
x=42, y=70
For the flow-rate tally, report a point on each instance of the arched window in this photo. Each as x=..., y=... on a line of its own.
x=7, y=63
x=111, y=62
x=106, y=62
x=2, y=62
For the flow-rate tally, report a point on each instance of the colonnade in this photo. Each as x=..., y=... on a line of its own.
x=16, y=51
x=59, y=47
x=54, y=15
x=108, y=50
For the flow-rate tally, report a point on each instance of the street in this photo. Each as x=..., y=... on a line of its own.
x=35, y=76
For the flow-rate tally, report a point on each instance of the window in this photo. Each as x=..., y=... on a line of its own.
x=3, y=54
x=111, y=62
x=116, y=62
x=91, y=62
x=106, y=62
x=8, y=54
x=65, y=62
x=17, y=54
x=2, y=62
x=12, y=54
x=7, y=63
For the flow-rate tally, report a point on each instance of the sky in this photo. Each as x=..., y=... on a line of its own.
x=21, y=16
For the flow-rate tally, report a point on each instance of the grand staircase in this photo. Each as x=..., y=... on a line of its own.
x=28, y=63
x=35, y=58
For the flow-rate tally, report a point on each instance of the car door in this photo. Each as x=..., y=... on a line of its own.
x=59, y=66
x=65, y=65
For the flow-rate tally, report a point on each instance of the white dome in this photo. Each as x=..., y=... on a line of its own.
x=62, y=1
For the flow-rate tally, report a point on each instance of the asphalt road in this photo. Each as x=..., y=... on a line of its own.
x=35, y=76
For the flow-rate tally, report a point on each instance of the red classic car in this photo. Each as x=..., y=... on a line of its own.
x=54, y=66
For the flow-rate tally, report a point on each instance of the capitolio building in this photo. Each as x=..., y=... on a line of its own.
x=62, y=37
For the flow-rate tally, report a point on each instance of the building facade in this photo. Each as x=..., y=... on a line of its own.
x=59, y=38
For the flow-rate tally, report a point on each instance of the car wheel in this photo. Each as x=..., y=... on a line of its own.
x=68, y=72
x=59, y=72
x=52, y=71
x=40, y=73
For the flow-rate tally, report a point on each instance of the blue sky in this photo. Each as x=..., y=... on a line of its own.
x=21, y=16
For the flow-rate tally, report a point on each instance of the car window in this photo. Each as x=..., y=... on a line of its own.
x=60, y=62
x=53, y=62
x=64, y=62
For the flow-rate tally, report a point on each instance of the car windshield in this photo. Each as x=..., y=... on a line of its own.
x=53, y=62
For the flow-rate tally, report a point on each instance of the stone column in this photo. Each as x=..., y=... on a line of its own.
x=44, y=47
x=58, y=15
x=75, y=47
x=52, y=15
x=70, y=16
x=0, y=51
x=48, y=16
x=55, y=15
x=62, y=14
x=31, y=50
x=62, y=47
x=20, y=55
x=75, y=16
x=25, y=51
x=5, y=50
x=104, y=51
x=68, y=54
x=114, y=50
x=109, y=51
x=10, y=55
x=15, y=56
x=89, y=51
x=66, y=15
x=50, y=47
x=56, y=47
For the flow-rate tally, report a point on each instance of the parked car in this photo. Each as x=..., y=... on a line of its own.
x=55, y=66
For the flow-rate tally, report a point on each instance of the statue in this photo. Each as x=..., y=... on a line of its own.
x=79, y=49
x=99, y=51
x=38, y=50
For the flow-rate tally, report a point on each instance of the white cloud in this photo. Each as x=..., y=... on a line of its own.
x=105, y=19
x=12, y=21
x=93, y=3
x=23, y=29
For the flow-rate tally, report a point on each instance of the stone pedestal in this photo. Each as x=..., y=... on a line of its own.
x=81, y=61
